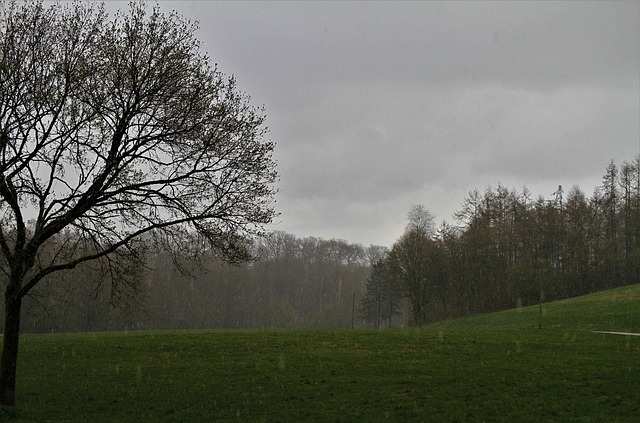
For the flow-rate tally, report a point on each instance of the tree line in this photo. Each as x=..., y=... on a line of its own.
x=507, y=250
x=510, y=250
x=294, y=282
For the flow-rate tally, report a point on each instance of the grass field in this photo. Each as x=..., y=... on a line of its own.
x=497, y=367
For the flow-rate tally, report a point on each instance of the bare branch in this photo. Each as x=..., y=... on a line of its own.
x=118, y=130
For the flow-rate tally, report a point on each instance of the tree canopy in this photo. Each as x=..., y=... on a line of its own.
x=510, y=250
x=114, y=131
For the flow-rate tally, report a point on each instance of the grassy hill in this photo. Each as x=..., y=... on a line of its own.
x=497, y=367
x=613, y=310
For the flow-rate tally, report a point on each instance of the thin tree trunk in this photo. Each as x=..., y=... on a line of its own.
x=378, y=311
x=10, y=343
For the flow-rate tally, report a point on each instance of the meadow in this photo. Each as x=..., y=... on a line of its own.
x=496, y=367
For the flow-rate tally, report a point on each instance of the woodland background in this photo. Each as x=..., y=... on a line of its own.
x=506, y=249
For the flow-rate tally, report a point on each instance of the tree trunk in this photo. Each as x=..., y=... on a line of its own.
x=10, y=342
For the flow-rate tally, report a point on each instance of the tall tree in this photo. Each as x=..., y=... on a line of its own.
x=380, y=302
x=410, y=264
x=117, y=131
x=609, y=216
x=630, y=216
x=576, y=259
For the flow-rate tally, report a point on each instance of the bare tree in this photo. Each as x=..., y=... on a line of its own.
x=421, y=219
x=117, y=131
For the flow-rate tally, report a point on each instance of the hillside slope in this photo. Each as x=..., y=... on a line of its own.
x=613, y=310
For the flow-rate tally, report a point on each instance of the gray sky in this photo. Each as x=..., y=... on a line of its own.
x=376, y=106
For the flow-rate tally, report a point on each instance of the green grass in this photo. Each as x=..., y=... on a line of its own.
x=497, y=367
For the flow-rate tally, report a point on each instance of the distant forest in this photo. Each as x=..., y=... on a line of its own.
x=507, y=249
x=295, y=282
x=512, y=250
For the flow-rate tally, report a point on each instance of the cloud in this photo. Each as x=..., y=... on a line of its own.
x=378, y=106
x=538, y=44
x=394, y=137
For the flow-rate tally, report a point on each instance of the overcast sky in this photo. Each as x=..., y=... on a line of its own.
x=376, y=106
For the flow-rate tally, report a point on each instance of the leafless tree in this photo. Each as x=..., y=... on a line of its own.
x=420, y=219
x=120, y=132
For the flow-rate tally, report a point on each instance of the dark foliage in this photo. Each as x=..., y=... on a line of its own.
x=513, y=251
